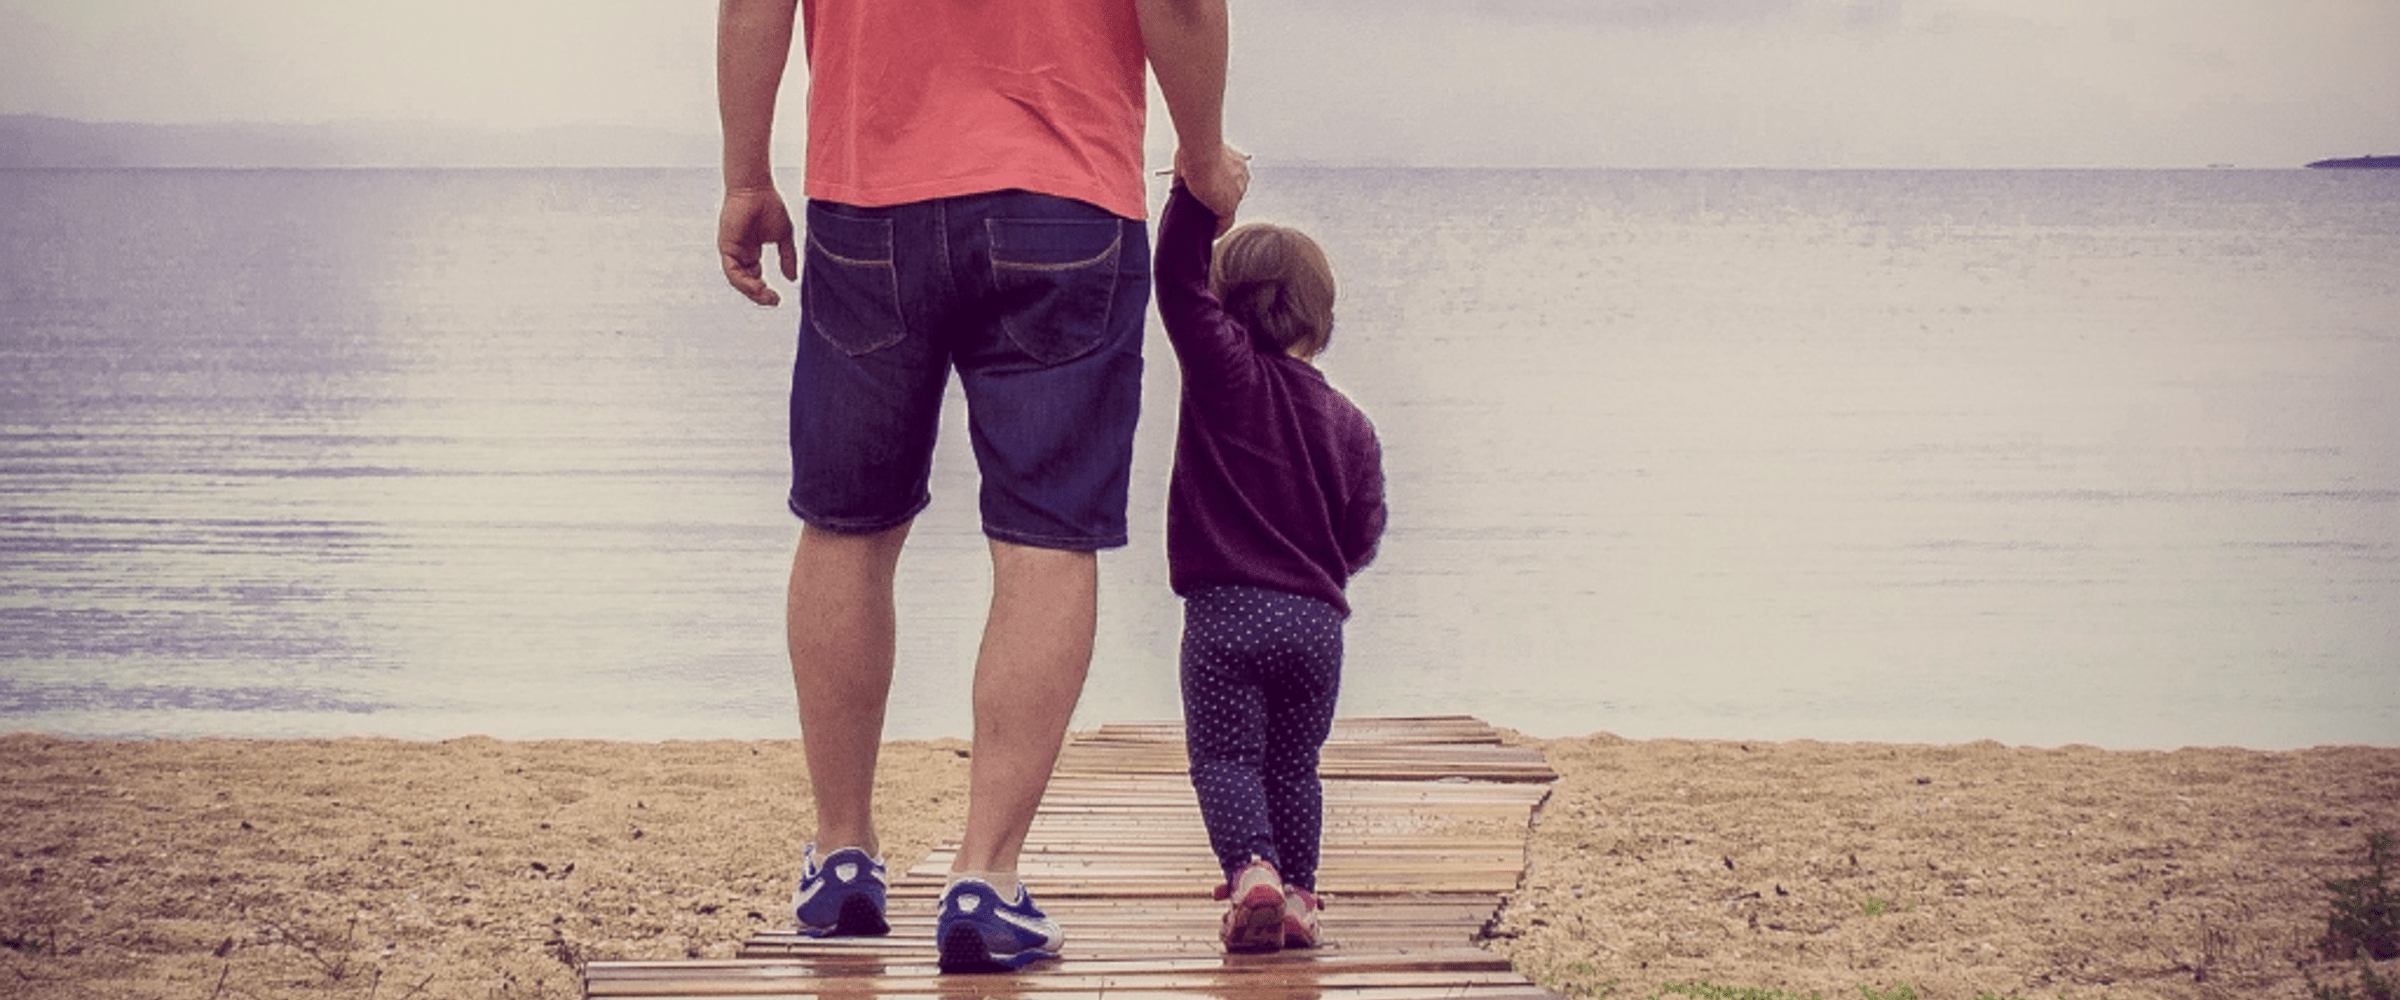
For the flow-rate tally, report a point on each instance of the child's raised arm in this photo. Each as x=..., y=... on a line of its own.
x=1214, y=350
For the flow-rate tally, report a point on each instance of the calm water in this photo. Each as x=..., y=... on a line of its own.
x=2042, y=457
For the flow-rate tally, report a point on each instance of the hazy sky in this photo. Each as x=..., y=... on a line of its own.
x=1703, y=83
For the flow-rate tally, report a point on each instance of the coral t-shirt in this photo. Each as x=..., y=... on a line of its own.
x=937, y=98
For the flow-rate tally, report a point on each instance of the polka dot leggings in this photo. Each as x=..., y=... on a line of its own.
x=1261, y=669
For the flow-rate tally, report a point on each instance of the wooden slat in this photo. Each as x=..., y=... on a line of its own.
x=1348, y=761
x=969, y=988
x=1389, y=730
x=1424, y=832
x=1430, y=965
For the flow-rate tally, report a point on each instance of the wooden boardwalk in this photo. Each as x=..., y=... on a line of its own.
x=1425, y=830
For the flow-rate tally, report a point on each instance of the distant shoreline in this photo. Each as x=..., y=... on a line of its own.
x=2358, y=163
x=791, y=172
x=43, y=142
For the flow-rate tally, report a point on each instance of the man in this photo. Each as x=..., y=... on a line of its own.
x=976, y=197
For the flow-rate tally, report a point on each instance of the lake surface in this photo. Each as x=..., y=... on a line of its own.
x=2036, y=456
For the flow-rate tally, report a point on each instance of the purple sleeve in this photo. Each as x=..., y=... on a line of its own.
x=1211, y=347
x=1362, y=525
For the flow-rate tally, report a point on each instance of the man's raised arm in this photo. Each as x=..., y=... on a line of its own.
x=1186, y=42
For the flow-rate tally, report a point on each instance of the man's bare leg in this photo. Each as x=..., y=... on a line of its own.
x=840, y=626
x=1037, y=649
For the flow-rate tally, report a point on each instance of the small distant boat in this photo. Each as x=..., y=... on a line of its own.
x=2359, y=163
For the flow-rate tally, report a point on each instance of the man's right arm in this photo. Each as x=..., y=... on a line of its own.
x=1186, y=41
x=754, y=41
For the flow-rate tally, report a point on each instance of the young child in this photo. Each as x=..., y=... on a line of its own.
x=1276, y=500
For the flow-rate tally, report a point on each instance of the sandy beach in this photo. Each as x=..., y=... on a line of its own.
x=475, y=867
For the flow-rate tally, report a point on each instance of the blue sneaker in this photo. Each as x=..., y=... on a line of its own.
x=980, y=932
x=843, y=896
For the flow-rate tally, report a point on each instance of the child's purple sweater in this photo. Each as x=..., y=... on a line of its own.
x=1278, y=478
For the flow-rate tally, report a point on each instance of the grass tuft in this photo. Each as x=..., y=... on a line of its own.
x=2364, y=925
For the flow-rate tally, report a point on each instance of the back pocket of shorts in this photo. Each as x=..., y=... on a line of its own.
x=850, y=290
x=1057, y=280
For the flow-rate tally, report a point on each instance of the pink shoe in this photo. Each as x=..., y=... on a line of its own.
x=1300, y=908
x=1255, y=921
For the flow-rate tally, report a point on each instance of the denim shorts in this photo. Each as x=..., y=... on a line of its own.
x=1036, y=301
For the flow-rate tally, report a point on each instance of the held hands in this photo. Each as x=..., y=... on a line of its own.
x=1219, y=178
x=750, y=219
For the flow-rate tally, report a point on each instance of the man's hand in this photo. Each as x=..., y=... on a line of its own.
x=1219, y=178
x=751, y=219
x=1185, y=42
x=754, y=40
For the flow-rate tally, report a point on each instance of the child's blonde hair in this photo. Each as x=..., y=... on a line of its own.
x=1277, y=284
